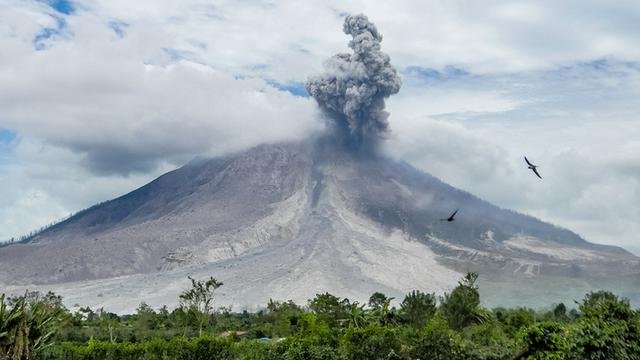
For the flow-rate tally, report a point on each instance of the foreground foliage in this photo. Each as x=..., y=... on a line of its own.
x=452, y=327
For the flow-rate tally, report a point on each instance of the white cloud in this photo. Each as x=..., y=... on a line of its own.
x=98, y=95
x=102, y=112
x=45, y=183
x=579, y=123
x=98, y=115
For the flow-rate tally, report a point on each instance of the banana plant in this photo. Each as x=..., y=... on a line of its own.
x=26, y=327
x=358, y=315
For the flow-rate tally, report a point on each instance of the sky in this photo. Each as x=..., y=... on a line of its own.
x=98, y=97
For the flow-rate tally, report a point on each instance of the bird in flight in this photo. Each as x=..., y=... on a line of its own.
x=532, y=167
x=450, y=218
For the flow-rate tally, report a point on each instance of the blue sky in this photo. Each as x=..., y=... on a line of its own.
x=102, y=96
x=6, y=137
x=61, y=6
x=295, y=88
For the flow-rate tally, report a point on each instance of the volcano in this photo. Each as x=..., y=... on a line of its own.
x=289, y=220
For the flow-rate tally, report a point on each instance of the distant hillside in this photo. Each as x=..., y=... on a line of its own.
x=286, y=220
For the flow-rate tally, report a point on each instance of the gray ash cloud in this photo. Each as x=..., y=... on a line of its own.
x=354, y=85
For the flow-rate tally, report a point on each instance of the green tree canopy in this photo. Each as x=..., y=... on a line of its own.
x=417, y=308
x=461, y=307
x=199, y=299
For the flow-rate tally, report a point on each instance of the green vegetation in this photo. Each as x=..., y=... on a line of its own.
x=328, y=327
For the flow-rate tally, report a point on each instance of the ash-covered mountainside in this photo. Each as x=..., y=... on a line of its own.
x=303, y=199
x=287, y=221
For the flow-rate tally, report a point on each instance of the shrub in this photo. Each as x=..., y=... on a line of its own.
x=371, y=342
x=437, y=342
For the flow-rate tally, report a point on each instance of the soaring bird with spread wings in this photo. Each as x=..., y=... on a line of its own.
x=534, y=168
x=450, y=218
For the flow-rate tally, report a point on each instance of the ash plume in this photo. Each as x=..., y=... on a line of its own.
x=353, y=86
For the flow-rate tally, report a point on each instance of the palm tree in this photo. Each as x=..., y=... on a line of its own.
x=358, y=315
x=199, y=299
x=10, y=320
x=26, y=327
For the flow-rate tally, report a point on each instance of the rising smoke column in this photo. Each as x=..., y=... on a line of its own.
x=353, y=87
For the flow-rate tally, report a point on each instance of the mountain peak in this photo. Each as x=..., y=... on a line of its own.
x=290, y=219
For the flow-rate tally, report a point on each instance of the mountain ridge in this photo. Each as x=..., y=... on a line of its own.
x=306, y=199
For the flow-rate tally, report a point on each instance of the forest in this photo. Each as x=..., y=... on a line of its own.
x=327, y=327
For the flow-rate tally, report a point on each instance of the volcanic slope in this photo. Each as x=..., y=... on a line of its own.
x=289, y=220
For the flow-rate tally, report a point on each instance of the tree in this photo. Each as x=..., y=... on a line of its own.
x=309, y=327
x=307, y=349
x=462, y=306
x=417, y=308
x=608, y=329
x=437, y=341
x=145, y=320
x=545, y=340
x=198, y=300
x=358, y=315
x=85, y=314
x=330, y=309
x=519, y=318
x=489, y=341
x=28, y=323
x=108, y=321
x=605, y=305
x=377, y=300
x=371, y=342
x=283, y=317
x=560, y=311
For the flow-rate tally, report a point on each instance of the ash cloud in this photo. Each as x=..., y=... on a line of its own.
x=353, y=87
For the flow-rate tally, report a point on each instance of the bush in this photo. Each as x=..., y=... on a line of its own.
x=436, y=342
x=417, y=308
x=255, y=350
x=462, y=306
x=371, y=342
x=330, y=328
x=545, y=340
x=608, y=329
x=201, y=348
x=305, y=349
x=488, y=341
